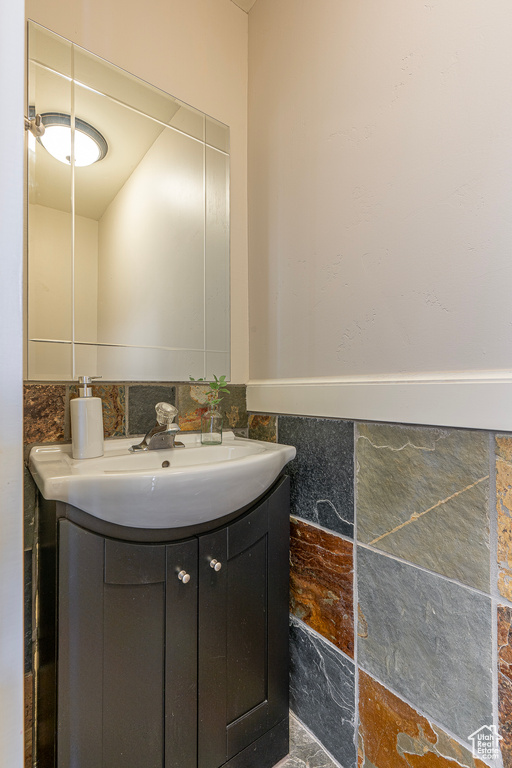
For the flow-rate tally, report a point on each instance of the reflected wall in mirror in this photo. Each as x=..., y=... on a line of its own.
x=128, y=257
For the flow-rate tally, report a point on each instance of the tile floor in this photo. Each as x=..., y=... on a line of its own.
x=305, y=751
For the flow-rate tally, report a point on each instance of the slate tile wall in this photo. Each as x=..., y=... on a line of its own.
x=409, y=529
x=425, y=516
x=128, y=409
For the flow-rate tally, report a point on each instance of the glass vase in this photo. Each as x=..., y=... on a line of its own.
x=211, y=426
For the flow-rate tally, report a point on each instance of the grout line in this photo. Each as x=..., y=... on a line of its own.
x=313, y=738
x=420, y=712
x=457, y=583
x=322, y=528
x=355, y=598
x=316, y=634
x=494, y=570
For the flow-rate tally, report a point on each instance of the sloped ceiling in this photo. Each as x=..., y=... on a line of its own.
x=245, y=5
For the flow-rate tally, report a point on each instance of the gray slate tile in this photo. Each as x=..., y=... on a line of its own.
x=322, y=473
x=322, y=692
x=423, y=495
x=428, y=639
x=142, y=399
x=305, y=751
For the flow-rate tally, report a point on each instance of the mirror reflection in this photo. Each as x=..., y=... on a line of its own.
x=128, y=262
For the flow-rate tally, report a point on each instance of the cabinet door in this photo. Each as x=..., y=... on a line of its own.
x=181, y=656
x=243, y=630
x=119, y=632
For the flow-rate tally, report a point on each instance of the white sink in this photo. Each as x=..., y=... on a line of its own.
x=161, y=489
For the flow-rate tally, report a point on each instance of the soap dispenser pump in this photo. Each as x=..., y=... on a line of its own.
x=86, y=422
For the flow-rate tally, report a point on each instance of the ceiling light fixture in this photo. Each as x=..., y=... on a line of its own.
x=90, y=145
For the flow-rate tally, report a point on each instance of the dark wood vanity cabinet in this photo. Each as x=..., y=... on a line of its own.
x=171, y=654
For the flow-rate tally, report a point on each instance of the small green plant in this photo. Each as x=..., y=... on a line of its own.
x=216, y=386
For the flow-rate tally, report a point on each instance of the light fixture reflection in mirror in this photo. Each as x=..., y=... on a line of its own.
x=89, y=145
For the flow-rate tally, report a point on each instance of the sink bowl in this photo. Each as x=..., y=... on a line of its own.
x=161, y=489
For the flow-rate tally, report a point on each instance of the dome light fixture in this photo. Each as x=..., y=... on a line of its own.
x=90, y=145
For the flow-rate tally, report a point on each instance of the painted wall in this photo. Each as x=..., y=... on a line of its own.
x=11, y=375
x=380, y=189
x=196, y=51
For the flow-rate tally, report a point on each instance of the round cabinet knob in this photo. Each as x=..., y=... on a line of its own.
x=184, y=577
x=215, y=565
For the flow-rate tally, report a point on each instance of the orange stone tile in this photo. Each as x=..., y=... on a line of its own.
x=393, y=735
x=44, y=412
x=193, y=401
x=321, y=583
x=504, y=509
x=29, y=719
x=262, y=427
x=505, y=682
x=113, y=401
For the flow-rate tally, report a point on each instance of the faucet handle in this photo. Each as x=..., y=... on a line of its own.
x=165, y=413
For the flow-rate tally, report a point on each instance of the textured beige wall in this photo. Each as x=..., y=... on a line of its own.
x=195, y=50
x=380, y=187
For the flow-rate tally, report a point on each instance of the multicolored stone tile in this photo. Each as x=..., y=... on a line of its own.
x=113, y=400
x=29, y=719
x=423, y=495
x=321, y=583
x=505, y=682
x=428, y=639
x=322, y=473
x=393, y=735
x=234, y=407
x=504, y=508
x=193, y=402
x=322, y=692
x=29, y=509
x=44, y=413
x=305, y=751
x=263, y=427
x=27, y=618
x=141, y=402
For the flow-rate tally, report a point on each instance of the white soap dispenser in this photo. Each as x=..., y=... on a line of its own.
x=86, y=422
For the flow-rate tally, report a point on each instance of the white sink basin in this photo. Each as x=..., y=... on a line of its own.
x=161, y=489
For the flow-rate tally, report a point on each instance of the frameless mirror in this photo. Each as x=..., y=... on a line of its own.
x=128, y=247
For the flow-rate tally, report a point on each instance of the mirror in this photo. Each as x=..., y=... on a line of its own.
x=128, y=257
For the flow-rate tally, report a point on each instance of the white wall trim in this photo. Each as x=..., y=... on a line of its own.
x=472, y=399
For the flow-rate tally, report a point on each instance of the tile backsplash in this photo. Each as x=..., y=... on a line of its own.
x=128, y=408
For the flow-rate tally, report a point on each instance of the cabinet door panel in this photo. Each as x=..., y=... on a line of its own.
x=212, y=622
x=127, y=563
x=127, y=653
x=247, y=662
x=181, y=657
x=254, y=648
x=133, y=673
x=80, y=648
x=133, y=661
x=247, y=630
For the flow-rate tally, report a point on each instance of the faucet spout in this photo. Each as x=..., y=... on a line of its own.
x=163, y=434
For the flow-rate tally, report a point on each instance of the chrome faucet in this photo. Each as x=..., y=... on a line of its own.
x=163, y=434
